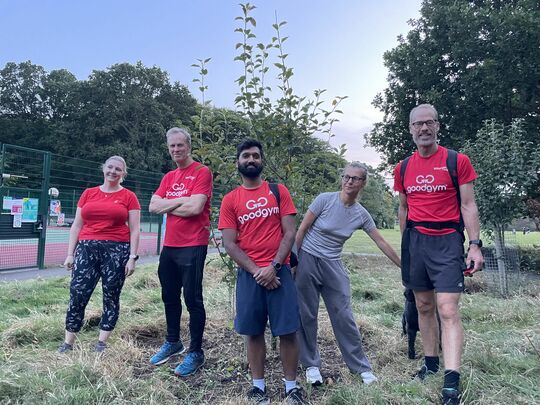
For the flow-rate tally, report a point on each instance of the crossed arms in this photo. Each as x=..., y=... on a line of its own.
x=181, y=206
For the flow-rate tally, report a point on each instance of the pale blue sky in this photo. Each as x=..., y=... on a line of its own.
x=336, y=45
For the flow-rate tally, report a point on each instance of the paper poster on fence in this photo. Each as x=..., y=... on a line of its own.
x=30, y=209
x=7, y=201
x=17, y=221
x=16, y=206
x=55, y=208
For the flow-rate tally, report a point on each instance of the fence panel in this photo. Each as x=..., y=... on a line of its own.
x=23, y=173
x=29, y=174
x=71, y=176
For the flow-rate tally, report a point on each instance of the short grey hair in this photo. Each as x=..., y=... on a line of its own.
x=427, y=106
x=181, y=131
x=357, y=165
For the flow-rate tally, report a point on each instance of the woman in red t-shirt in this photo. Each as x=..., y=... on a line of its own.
x=103, y=243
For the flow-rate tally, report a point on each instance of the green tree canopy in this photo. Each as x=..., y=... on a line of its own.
x=506, y=163
x=379, y=201
x=123, y=110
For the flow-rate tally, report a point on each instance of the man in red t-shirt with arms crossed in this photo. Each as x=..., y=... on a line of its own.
x=184, y=195
x=432, y=243
x=258, y=234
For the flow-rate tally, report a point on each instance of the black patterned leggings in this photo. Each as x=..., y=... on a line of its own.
x=95, y=259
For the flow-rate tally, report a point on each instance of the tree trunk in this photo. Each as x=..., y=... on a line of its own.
x=500, y=254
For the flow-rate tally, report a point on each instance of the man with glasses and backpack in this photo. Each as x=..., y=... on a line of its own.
x=437, y=203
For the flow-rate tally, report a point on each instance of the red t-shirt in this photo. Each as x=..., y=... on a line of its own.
x=431, y=195
x=105, y=215
x=192, y=180
x=255, y=214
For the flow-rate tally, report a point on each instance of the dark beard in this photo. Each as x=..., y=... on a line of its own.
x=250, y=171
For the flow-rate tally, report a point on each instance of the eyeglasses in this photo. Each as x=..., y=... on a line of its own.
x=355, y=179
x=420, y=124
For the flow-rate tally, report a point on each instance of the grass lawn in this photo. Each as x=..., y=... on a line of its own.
x=501, y=362
x=360, y=242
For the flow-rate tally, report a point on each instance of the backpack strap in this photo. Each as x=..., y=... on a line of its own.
x=403, y=167
x=274, y=188
x=293, y=258
x=451, y=164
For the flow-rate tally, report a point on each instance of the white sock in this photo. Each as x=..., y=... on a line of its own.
x=289, y=385
x=259, y=383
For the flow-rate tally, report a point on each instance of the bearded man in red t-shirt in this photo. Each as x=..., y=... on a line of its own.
x=184, y=195
x=432, y=243
x=258, y=233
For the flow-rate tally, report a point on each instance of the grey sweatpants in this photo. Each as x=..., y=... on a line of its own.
x=314, y=277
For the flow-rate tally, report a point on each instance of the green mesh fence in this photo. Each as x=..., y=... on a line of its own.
x=28, y=175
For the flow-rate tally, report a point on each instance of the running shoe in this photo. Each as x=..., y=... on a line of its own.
x=166, y=351
x=192, y=362
x=257, y=396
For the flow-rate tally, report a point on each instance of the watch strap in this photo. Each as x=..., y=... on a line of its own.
x=477, y=242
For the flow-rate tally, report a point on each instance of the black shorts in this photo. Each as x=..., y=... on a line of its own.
x=432, y=262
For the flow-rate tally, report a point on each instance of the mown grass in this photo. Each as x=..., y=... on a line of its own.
x=501, y=363
x=361, y=242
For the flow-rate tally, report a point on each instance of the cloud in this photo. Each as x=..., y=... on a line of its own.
x=353, y=137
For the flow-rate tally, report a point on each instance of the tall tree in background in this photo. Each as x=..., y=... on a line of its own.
x=124, y=110
x=23, y=112
x=506, y=165
x=474, y=60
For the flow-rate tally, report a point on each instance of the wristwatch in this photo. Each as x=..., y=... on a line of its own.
x=276, y=265
x=477, y=242
x=135, y=257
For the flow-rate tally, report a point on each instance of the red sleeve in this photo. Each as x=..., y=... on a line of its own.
x=82, y=199
x=133, y=202
x=398, y=182
x=227, y=217
x=465, y=170
x=162, y=189
x=287, y=205
x=204, y=182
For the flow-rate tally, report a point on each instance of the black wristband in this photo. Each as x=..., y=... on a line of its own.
x=477, y=242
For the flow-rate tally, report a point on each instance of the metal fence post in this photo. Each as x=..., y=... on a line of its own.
x=44, y=209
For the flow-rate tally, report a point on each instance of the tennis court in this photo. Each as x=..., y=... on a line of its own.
x=17, y=253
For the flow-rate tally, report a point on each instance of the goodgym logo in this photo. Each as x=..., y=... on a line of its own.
x=425, y=179
x=252, y=204
x=257, y=210
x=178, y=190
x=424, y=183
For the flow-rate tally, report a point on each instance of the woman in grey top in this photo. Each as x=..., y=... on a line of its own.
x=330, y=220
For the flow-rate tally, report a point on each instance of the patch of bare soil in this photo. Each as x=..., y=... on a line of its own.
x=225, y=374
